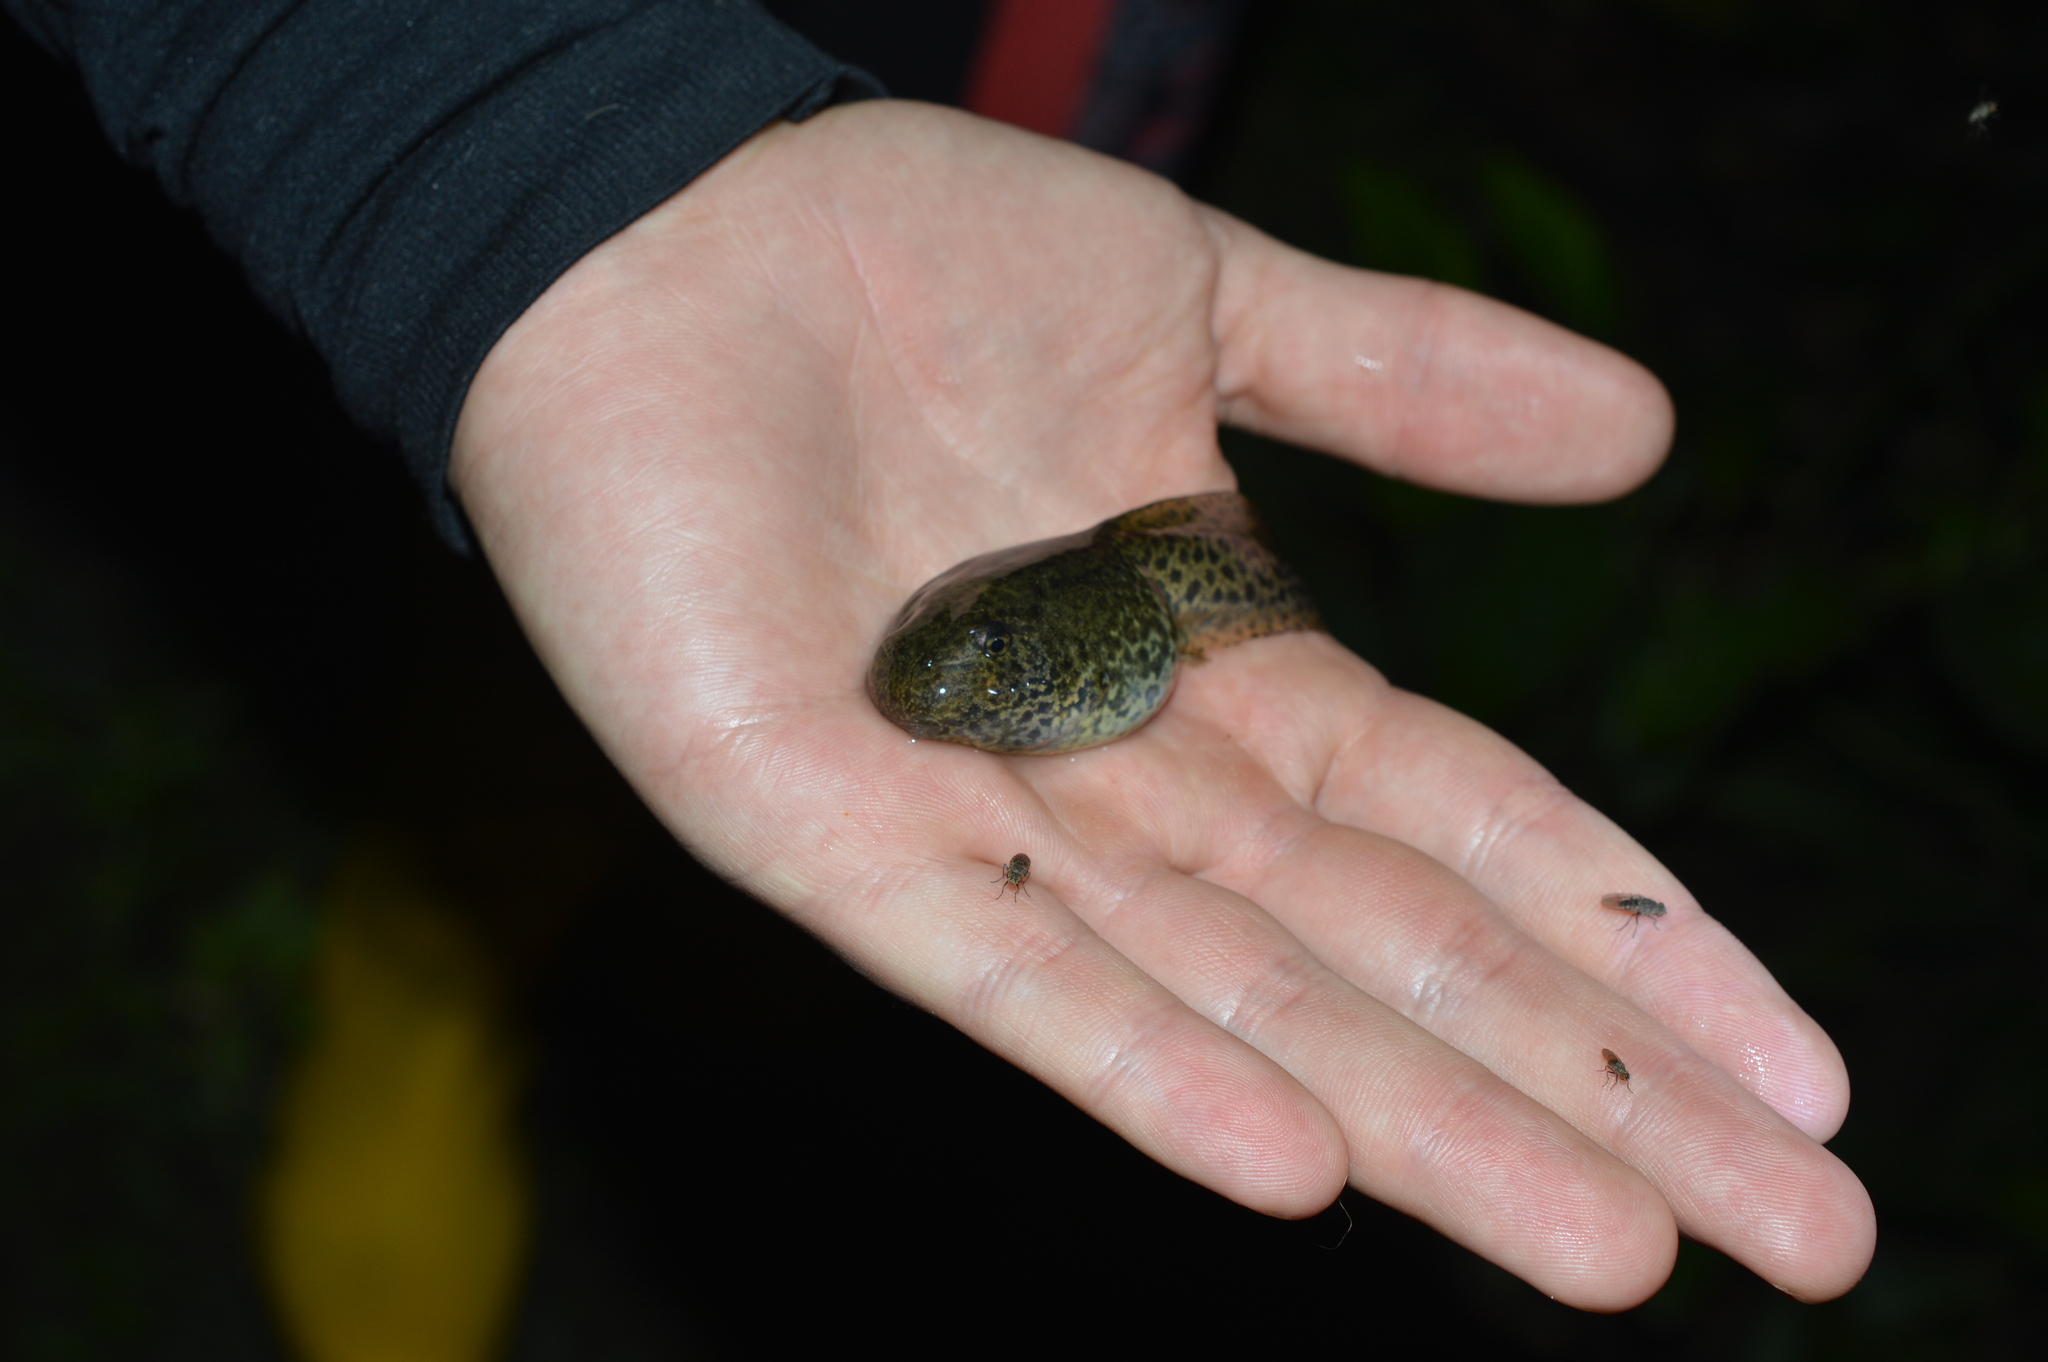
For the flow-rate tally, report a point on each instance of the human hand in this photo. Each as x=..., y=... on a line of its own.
x=1302, y=927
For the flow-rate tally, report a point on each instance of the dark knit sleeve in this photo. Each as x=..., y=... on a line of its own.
x=401, y=180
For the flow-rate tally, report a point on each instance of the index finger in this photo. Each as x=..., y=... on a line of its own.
x=1406, y=768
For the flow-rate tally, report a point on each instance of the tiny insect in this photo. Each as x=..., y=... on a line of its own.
x=1637, y=906
x=1616, y=1071
x=1016, y=870
x=1981, y=116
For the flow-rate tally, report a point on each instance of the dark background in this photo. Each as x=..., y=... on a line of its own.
x=1807, y=666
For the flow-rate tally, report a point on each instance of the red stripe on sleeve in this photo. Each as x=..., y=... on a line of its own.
x=1036, y=61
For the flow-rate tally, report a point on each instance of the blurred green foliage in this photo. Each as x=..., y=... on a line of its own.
x=157, y=926
x=1553, y=243
x=1401, y=227
x=1513, y=216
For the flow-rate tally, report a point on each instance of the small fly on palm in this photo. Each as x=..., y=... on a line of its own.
x=1016, y=870
x=1637, y=906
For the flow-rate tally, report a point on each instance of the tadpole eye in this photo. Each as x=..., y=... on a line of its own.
x=991, y=636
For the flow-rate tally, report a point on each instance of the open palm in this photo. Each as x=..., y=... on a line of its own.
x=1301, y=928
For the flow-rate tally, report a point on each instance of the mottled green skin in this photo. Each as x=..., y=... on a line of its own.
x=1071, y=642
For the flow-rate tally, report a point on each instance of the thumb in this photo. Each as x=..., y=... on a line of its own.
x=1426, y=382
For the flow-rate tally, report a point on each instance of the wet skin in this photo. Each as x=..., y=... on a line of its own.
x=1072, y=642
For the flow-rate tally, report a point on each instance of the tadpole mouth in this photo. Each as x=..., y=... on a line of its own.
x=908, y=707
